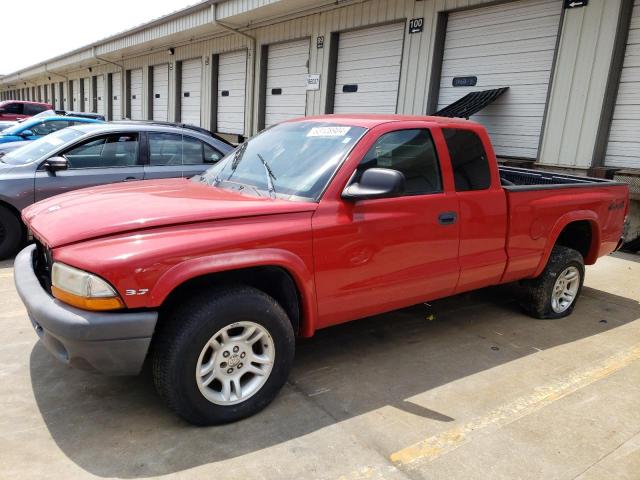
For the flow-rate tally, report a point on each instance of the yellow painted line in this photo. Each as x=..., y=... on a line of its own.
x=442, y=443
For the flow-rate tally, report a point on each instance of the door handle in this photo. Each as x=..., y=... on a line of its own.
x=447, y=218
x=130, y=179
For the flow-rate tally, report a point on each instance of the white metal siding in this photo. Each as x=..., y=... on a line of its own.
x=369, y=59
x=191, y=89
x=232, y=79
x=623, y=148
x=116, y=96
x=136, y=94
x=100, y=94
x=75, y=105
x=86, y=82
x=287, y=67
x=507, y=45
x=160, y=100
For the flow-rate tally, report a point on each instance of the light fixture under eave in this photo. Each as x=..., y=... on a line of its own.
x=171, y=51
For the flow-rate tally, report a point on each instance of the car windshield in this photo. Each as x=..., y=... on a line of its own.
x=292, y=160
x=42, y=147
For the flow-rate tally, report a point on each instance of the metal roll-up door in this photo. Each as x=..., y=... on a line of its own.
x=368, y=70
x=75, y=98
x=286, y=93
x=135, y=93
x=190, y=91
x=508, y=45
x=623, y=147
x=232, y=78
x=100, y=94
x=86, y=92
x=160, y=95
x=116, y=96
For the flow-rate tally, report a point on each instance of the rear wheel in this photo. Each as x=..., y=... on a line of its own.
x=11, y=233
x=223, y=355
x=555, y=292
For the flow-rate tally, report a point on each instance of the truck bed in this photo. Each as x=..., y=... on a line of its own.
x=514, y=178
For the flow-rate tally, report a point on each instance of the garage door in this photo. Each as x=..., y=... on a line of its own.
x=160, y=96
x=87, y=94
x=508, y=45
x=116, y=96
x=100, y=94
x=135, y=93
x=191, y=87
x=232, y=79
x=75, y=106
x=623, y=148
x=287, y=68
x=368, y=70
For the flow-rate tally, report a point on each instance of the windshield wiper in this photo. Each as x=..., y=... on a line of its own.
x=270, y=176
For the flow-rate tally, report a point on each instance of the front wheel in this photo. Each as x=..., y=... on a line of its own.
x=223, y=355
x=555, y=292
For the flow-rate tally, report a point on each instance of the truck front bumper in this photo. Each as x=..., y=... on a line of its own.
x=113, y=343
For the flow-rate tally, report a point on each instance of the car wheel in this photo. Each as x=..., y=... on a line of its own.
x=11, y=233
x=555, y=292
x=223, y=355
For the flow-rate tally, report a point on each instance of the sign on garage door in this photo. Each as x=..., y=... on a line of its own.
x=507, y=45
x=191, y=86
x=287, y=69
x=135, y=93
x=86, y=92
x=623, y=148
x=368, y=70
x=100, y=94
x=232, y=79
x=160, y=95
x=116, y=96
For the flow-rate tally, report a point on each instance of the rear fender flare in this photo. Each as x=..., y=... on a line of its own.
x=575, y=216
x=200, y=266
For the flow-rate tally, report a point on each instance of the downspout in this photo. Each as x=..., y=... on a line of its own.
x=252, y=62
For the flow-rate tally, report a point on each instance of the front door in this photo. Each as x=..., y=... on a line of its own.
x=104, y=159
x=378, y=255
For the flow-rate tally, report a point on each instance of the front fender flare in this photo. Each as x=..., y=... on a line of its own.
x=223, y=262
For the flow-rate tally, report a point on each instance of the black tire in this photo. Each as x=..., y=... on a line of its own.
x=537, y=297
x=183, y=333
x=11, y=233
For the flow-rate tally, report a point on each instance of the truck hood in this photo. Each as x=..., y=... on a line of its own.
x=119, y=208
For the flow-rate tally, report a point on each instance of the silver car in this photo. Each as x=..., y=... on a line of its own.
x=95, y=154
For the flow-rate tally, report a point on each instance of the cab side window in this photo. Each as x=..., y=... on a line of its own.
x=468, y=160
x=116, y=150
x=196, y=152
x=30, y=109
x=13, y=108
x=411, y=152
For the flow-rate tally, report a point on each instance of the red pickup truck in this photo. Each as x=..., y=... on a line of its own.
x=311, y=223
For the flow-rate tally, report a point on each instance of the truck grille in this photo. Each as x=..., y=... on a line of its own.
x=42, y=262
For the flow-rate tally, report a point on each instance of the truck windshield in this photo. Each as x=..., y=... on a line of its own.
x=293, y=161
x=40, y=148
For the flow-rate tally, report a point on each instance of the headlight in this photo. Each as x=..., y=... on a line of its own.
x=83, y=289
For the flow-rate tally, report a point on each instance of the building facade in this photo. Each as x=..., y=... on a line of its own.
x=238, y=66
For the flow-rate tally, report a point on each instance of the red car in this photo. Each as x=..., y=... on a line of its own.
x=14, y=110
x=311, y=223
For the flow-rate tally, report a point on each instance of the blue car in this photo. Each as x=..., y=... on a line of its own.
x=35, y=128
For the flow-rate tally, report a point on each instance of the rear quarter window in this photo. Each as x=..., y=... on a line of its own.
x=468, y=160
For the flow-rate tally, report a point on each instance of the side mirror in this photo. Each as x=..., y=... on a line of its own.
x=376, y=183
x=26, y=133
x=55, y=164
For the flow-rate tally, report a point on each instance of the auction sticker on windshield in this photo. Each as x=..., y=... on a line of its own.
x=328, y=131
